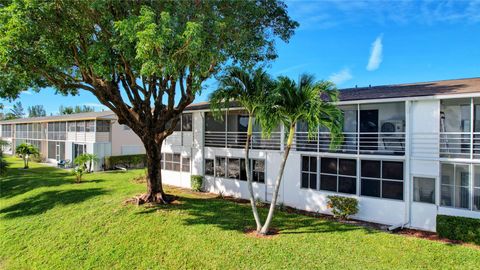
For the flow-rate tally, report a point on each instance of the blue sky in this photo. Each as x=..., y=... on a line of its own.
x=360, y=43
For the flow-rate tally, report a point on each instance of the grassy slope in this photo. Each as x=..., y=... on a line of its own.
x=49, y=223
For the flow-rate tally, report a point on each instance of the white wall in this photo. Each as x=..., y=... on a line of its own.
x=123, y=137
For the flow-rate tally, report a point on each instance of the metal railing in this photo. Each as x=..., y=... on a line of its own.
x=368, y=143
x=238, y=139
x=459, y=145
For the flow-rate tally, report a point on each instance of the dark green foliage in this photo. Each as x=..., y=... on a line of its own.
x=459, y=228
x=196, y=182
x=3, y=166
x=77, y=109
x=144, y=60
x=128, y=161
x=36, y=111
x=15, y=112
x=342, y=207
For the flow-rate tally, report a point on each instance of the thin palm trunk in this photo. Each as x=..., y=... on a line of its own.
x=278, y=181
x=249, y=175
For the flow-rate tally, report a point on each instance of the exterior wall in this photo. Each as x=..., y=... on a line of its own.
x=124, y=137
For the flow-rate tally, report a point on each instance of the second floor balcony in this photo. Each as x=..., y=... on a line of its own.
x=372, y=129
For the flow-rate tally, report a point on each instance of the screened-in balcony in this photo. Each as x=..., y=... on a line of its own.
x=459, y=136
x=371, y=129
x=231, y=132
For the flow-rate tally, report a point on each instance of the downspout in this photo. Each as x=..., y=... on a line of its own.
x=408, y=182
x=202, y=114
x=408, y=143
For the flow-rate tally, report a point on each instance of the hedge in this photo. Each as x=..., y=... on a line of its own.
x=128, y=161
x=459, y=228
x=196, y=182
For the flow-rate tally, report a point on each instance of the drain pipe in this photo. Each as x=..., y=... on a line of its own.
x=408, y=182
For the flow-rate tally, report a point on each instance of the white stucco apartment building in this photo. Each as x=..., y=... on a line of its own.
x=64, y=137
x=411, y=152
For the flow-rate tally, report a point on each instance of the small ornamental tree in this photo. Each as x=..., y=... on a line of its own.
x=250, y=89
x=145, y=60
x=308, y=101
x=91, y=160
x=26, y=150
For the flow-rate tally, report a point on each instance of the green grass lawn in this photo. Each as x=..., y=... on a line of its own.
x=47, y=222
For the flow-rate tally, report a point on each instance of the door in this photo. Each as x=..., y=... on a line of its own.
x=57, y=151
x=424, y=207
x=368, y=130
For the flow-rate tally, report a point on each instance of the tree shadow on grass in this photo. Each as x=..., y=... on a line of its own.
x=234, y=216
x=20, y=181
x=47, y=200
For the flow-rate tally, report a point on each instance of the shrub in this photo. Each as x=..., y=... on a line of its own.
x=196, y=182
x=3, y=166
x=39, y=159
x=459, y=228
x=78, y=172
x=129, y=161
x=26, y=151
x=342, y=207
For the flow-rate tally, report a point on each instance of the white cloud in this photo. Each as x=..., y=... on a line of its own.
x=341, y=76
x=375, y=54
x=26, y=92
x=290, y=69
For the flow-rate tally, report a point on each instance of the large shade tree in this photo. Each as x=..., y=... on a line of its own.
x=145, y=60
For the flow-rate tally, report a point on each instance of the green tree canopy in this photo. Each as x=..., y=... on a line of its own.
x=145, y=60
x=36, y=111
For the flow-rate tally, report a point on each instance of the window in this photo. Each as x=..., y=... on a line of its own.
x=309, y=172
x=162, y=161
x=233, y=169
x=71, y=126
x=338, y=175
x=56, y=150
x=80, y=126
x=172, y=162
x=476, y=188
x=209, y=167
x=103, y=126
x=187, y=122
x=424, y=189
x=455, y=186
x=176, y=162
x=382, y=179
x=90, y=126
x=220, y=163
x=258, y=170
x=185, y=164
x=6, y=130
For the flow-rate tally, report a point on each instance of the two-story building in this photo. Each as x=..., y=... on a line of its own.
x=410, y=152
x=64, y=137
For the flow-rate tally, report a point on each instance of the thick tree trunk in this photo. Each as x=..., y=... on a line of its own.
x=155, y=193
x=273, y=204
x=249, y=174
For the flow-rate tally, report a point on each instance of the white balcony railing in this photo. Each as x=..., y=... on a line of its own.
x=238, y=140
x=368, y=143
x=460, y=145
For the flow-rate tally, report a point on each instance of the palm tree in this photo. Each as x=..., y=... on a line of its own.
x=26, y=150
x=249, y=88
x=90, y=159
x=307, y=101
